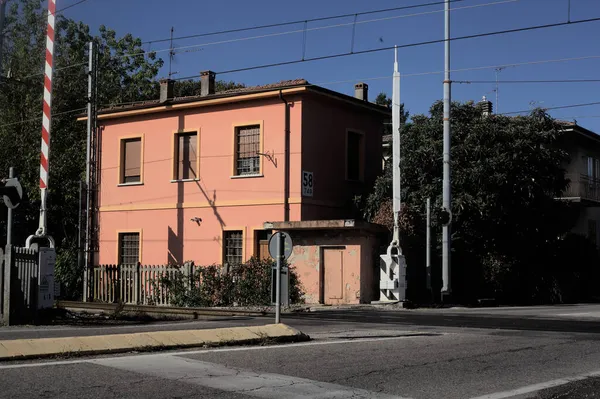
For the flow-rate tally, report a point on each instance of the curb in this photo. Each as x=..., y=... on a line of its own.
x=21, y=349
x=149, y=310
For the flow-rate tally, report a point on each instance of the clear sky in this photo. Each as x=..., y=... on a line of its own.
x=153, y=19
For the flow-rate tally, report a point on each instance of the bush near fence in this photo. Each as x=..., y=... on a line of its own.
x=188, y=285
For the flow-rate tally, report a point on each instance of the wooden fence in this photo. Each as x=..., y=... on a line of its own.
x=135, y=284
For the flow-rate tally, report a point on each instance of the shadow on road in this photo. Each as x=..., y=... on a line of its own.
x=452, y=320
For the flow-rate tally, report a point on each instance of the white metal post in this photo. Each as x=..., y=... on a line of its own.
x=396, y=150
x=9, y=217
x=278, y=279
x=446, y=202
x=428, y=244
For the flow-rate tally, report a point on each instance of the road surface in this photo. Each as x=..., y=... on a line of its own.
x=545, y=353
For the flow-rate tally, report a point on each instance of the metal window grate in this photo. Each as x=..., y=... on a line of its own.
x=129, y=248
x=233, y=247
x=247, y=149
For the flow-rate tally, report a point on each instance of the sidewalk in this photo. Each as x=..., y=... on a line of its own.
x=18, y=349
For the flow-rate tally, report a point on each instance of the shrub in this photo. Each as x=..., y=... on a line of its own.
x=247, y=284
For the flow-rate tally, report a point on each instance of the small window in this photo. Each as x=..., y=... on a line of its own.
x=131, y=160
x=354, y=161
x=233, y=247
x=247, y=148
x=186, y=156
x=129, y=248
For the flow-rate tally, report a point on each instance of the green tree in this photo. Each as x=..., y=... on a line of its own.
x=506, y=174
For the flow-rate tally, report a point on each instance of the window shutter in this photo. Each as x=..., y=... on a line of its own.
x=132, y=153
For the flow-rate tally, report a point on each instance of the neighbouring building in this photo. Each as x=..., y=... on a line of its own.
x=583, y=171
x=196, y=178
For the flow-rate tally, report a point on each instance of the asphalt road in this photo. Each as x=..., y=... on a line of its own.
x=543, y=354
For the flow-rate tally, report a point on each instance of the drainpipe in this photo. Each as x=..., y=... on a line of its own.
x=286, y=167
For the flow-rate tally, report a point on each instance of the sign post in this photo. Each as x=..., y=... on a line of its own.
x=280, y=248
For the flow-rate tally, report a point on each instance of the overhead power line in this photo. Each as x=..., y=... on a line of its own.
x=71, y=6
x=39, y=117
x=312, y=29
x=529, y=81
x=552, y=108
x=303, y=21
x=487, y=34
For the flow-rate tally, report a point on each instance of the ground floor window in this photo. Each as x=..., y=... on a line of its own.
x=129, y=248
x=233, y=246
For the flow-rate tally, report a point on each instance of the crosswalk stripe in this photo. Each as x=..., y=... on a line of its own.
x=216, y=376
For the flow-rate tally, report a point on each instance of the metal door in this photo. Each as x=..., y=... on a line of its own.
x=332, y=281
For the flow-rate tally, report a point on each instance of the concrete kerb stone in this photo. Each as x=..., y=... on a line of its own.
x=159, y=340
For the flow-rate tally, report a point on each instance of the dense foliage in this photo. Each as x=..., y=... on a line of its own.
x=510, y=236
x=248, y=284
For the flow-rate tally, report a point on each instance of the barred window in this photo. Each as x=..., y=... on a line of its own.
x=247, y=147
x=233, y=247
x=129, y=248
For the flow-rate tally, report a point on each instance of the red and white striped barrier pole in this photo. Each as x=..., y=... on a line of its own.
x=46, y=119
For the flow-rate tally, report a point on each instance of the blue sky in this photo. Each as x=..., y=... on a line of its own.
x=152, y=19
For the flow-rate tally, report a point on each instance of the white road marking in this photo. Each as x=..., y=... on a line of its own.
x=538, y=387
x=201, y=351
x=217, y=376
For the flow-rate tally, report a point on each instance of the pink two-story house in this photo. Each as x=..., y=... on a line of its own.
x=196, y=178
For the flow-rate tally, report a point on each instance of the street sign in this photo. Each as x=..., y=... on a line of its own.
x=307, y=184
x=287, y=245
x=11, y=191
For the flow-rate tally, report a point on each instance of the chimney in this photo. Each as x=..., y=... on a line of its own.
x=361, y=91
x=485, y=106
x=207, y=83
x=166, y=90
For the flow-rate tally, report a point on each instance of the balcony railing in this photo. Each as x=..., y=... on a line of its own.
x=584, y=187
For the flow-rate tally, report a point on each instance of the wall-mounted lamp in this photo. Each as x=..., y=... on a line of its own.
x=197, y=220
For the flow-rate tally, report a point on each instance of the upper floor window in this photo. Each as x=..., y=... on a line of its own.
x=354, y=156
x=131, y=161
x=593, y=168
x=247, y=149
x=186, y=156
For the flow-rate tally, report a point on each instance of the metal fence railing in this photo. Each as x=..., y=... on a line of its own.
x=134, y=284
x=584, y=187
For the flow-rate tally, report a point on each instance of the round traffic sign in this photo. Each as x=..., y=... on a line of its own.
x=287, y=245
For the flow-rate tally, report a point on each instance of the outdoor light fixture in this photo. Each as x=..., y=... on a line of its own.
x=197, y=220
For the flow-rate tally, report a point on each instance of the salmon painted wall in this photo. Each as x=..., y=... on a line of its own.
x=357, y=271
x=162, y=210
x=324, y=132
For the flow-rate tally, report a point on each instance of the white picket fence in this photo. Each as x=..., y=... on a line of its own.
x=135, y=284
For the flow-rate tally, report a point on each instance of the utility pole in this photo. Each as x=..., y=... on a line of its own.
x=2, y=15
x=428, y=245
x=9, y=217
x=90, y=167
x=446, y=200
x=498, y=70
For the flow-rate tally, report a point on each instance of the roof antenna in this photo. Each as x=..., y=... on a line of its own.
x=171, y=53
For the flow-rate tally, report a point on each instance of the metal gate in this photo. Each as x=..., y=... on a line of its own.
x=19, y=284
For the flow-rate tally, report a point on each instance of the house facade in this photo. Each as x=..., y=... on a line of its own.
x=197, y=178
x=583, y=171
